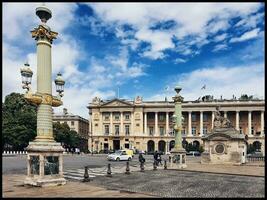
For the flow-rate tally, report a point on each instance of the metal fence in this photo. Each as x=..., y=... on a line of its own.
x=255, y=158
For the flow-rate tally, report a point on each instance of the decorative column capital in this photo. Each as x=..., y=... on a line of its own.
x=44, y=32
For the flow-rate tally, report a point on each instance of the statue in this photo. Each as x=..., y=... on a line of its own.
x=221, y=122
x=138, y=99
x=96, y=100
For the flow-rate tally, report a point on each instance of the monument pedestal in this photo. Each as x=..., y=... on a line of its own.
x=178, y=158
x=44, y=164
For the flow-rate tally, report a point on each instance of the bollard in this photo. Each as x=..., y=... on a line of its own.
x=165, y=164
x=109, y=171
x=86, y=175
x=127, y=168
x=142, y=167
x=154, y=166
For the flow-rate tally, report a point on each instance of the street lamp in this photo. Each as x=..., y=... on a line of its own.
x=45, y=155
x=59, y=84
x=26, y=76
x=178, y=152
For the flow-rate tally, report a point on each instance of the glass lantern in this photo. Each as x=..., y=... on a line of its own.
x=59, y=84
x=26, y=75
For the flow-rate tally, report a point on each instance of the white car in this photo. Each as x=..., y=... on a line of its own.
x=119, y=155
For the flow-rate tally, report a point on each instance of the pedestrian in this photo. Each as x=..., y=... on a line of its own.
x=141, y=158
x=159, y=159
x=156, y=157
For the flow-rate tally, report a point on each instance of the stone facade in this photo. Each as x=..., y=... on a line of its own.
x=147, y=125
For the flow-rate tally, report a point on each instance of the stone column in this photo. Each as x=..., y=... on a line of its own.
x=262, y=123
x=167, y=123
x=237, y=120
x=249, y=123
x=212, y=119
x=145, y=123
x=156, y=123
x=225, y=114
x=101, y=128
x=121, y=129
x=132, y=124
x=189, y=124
x=60, y=164
x=111, y=123
x=201, y=123
x=41, y=166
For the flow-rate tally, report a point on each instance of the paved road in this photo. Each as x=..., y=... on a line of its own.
x=173, y=183
x=17, y=164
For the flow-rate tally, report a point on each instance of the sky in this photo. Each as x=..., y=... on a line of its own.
x=124, y=50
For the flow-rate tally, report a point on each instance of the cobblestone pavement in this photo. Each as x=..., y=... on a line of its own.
x=171, y=183
x=13, y=187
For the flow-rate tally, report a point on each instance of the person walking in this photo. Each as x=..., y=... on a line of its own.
x=159, y=159
x=156, y=157
x=141, y=158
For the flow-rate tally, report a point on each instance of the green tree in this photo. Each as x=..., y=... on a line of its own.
x=18, y=122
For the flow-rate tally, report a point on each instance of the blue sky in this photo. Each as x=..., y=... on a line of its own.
x=141, y=48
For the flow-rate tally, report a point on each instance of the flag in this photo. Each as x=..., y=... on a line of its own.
x=167, y=88
x=203, y=87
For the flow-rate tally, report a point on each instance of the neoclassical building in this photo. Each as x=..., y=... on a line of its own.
x=147, y=125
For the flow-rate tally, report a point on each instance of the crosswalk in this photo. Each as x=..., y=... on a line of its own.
x=78, y=174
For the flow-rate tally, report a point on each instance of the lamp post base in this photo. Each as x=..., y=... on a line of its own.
x=44, y=164
x=178, y=158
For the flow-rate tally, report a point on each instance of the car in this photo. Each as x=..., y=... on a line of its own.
x=193, y=153
x=119, y=155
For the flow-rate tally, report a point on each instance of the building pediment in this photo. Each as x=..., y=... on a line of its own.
x=116, y=103
x=223, y=136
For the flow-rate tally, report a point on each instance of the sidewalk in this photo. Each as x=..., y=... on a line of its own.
x=256, y=169
x=13, y=187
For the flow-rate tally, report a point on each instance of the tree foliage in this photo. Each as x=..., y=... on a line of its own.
x=18, y=122
x=19, y=125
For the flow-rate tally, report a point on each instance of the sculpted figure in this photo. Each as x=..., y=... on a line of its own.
x=219, y=121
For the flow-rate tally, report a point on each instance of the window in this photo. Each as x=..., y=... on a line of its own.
x=117, y=116
x=96, y=124
x=137, y=124
x=106, y=129
x=127, y=130
x=161, y=129
x=117, y=129
x=151, y=131
x=183, y=131
x=194, y=117
x=205, y=117
x=127, y=116
x=252, y=130
x=106, y=116
x=194, y=130
x=72, y=123
x=106, y=139
x=240, y=130
x=161, y=118
x=205, y=130
x=126, y=140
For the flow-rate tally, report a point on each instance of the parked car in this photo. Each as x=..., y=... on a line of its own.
x=119, y=155
x=193, y=153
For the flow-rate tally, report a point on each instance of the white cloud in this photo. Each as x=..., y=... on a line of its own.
x=219, y=38
x=179, y=60
x=219, y=47
x=220, y=80
x=246, y=36
x=205, y=19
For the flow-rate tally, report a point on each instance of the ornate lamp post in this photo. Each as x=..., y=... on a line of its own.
x=45, y=161
x=178, y=152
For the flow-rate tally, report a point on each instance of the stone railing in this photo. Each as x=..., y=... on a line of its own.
x=255, y=158
x=14, y=152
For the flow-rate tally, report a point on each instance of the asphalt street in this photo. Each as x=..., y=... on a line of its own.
x=17, y=163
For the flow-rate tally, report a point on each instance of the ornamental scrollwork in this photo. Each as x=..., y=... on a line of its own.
x=41, y=32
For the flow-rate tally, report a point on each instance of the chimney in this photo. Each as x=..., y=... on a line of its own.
x=65, y=111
